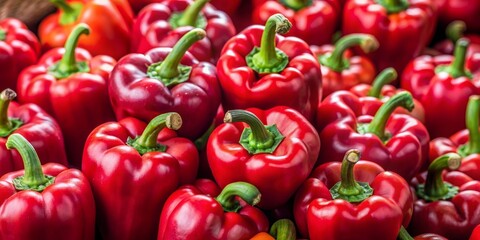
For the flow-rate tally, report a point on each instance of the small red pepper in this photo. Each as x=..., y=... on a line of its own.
x=19, y=48
x=282, y=229
x=133, y=168
x=44, y=202
x=258, y=68
x=455, y=30
x=464, y=10
x=276, y=153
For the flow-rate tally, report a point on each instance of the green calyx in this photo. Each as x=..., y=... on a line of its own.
x=267, y=58
x=403, y=234
x=435, y=188
x=191, y=16
x=336, y=61
x=388, y=75
x=69, y=12
x=68, y=65
x=169, y=71
x=394, y=6
x=147, y=142
x=296, y=4
x=7, y=125
x=246, y=191
x=457, y=68
x=3, y=34
x=348, y=189
x=455, y=30
x=283, y=229
x=472, y=123
x=258, y=138
x=33, y=178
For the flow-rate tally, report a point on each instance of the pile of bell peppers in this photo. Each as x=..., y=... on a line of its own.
x=233, y=120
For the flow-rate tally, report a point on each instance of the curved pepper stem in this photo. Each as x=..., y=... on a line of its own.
x=246, y=191
x=377, y=126
x=404, y=235
x=348, y=189
x=394, y=6
x=283, y=229
x=457, y=68
x=472, y=123
x=336, y=61
x=435, y=188
x=170, y=71
x=147, y=142
x=191, y=16
x=258, y=138
x=455, y=30
x=7, y=125
x=69, y=11
x=296, y=4
x=385, y=77
x=33, y=178
x=3, y=34
x=268, y=58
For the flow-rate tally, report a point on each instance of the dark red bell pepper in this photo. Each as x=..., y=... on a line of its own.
x=192, y=213
x=308, y=18
x=443, y=85
x=402, y=27
x=455, y=30
x=70, y=85
x=342, y=70
x=163, y=24
x=397, y=142
x=259, y=68
x=165, y=80
x=19, y=48
x=352, y=200
x=44, y=202
x=275, y=150
x=464, y=10
x=229, y=7
x=133, y=167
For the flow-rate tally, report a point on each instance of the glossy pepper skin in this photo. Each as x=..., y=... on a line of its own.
x=71, y=86
x=133, y=167
x=259, y=68
x=274, y=150
x=443, y=85
x=476, y=233
x=302, y=14
x=109, y=23
x=464, y=10
x=41, y=130
x=454, y=31
x=44, y=202
x=166, y=79
x=163, y=24
x=393, y=24
x=329, y=202
x=19, y=48
x=229, y=215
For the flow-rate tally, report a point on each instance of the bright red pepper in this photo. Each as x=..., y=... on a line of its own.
x=70, y=85
x=352, y=200
x=455, y=30
x=192, y=213
x=465, y=10
x=476, y=233
x=110, y=26
x=259, y=68
x=163, y=24
x=308, y=18
x=133, y=168
x=44, y=202
x=402, y=27
x=443, y=85
x=276, y=153
x=19, y=48
x=342, y=70
x=397, y=142
x=166, y=79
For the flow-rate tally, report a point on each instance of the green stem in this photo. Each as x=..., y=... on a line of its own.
x=385, y=77
x=3, y=34
x=455, y=30
x=283, y=229
x=296, y=4
x=7, y=125
x=69, y=12
x=472, y=122
x=404, y=235
x=33, y=178
x=457, y=68
x=377, y=125
x=246, y=191
x=336, y=61
x=190, y=15
x=394, y=6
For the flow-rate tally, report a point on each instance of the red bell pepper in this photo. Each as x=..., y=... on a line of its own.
x=476, y=233
x=229, y=7
x=133, y=172
x=464, y=10
x=41, y=130
x=110, y=26
x=276, y=153
x=352, y=200
x=44, y=202
x=70, y=85
x=402, y=27
x=455, y=30
x=283, y=229
x=397, y=142
x=166, y=79
x=259, y=68
x=448, y=205
x=192, y=213
x=443, y=85
x=308, y=18
x=342, y=70
x=19, y=48
x=163, y=24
